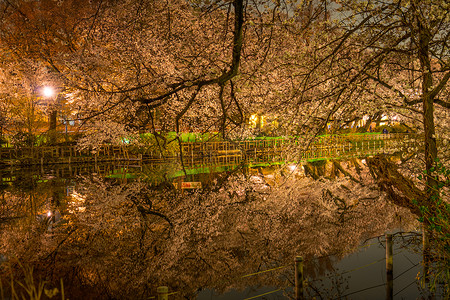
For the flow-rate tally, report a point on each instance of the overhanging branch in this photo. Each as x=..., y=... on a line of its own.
x=440, y=86
x=442, y=103
x=388, y=86
x=226, y=76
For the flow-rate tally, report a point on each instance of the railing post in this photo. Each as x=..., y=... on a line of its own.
x=299, y=278
x=163, y=292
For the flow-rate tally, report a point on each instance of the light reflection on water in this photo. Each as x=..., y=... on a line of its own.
x=261, y=234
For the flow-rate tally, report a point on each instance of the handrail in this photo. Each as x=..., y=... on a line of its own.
x=322, y=147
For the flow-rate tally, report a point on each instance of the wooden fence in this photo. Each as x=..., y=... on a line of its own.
x=324, y=147
x=298, y=149
x=62, y=154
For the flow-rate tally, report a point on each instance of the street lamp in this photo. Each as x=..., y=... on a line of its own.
x=48, y=92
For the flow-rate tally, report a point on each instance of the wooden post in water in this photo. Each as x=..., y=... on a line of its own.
x=389, y=268
x=299, y=278
x=426, y=254
x=163, y=292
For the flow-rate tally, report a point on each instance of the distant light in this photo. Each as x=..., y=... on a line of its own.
x=253, y=120
x=48, y=92
x=49, y=214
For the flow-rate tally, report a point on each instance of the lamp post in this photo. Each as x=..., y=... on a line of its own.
x=49, y=93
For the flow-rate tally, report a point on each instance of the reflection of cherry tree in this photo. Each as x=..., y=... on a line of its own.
x=125, y=240
x=300, y=218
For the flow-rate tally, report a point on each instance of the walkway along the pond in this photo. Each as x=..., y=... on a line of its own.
x=323, y=147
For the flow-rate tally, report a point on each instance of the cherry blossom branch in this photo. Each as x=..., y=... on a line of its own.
x=392, y=88
x=225, y=76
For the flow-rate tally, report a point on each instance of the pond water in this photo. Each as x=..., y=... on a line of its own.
x=119, y=232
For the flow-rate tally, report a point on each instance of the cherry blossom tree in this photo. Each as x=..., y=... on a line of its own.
x=31, y=33
x=23, y=109
x=390, y=55
x=202, y=63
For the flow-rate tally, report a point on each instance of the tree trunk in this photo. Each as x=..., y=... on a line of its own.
x=428, y=110
x=401, y=190
x=429, y=129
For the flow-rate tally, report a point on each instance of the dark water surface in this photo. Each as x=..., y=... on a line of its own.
x=119, y=232
x=360, y=275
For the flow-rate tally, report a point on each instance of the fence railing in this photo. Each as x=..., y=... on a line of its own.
x=62, y=154
x=301, y=149
x=319, y=148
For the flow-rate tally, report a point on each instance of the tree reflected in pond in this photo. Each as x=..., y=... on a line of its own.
x=116, y=240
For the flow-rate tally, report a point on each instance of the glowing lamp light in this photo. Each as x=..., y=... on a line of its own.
x=49, y=214
x=253, y=120
x=48, y=92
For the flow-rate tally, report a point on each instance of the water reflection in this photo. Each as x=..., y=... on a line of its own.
x=120, y=232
